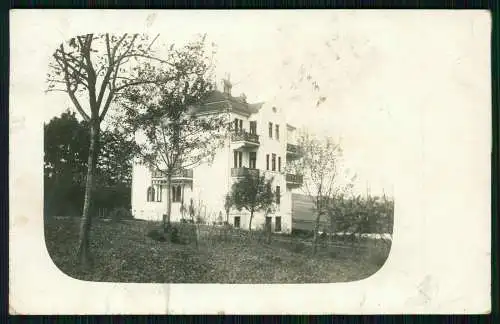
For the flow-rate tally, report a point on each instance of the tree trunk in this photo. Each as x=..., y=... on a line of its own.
x=166, y=217
x=316, y=229
x=85, y=224
x=250, y=223
x=269, y=233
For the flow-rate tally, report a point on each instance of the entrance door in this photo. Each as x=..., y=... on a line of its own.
x=269, y=222
x=277, y=226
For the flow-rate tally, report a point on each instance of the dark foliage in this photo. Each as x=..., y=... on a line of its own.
x=65, y=165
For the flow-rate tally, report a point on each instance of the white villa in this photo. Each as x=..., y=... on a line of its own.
x=262, y=143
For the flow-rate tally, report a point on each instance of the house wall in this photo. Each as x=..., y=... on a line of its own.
x=141, y=208
x=211, y=182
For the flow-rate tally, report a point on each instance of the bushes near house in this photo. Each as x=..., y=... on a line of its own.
x=120, y=213
x=157, y=234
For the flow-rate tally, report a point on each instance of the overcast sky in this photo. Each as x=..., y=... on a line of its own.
x=377, y=70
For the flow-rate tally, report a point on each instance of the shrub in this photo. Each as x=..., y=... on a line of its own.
x=183, y=233
x=174, y=235
x=157, y=235
x=120, y=213
x=217, y=234
x=298, y=247
x=302, y=233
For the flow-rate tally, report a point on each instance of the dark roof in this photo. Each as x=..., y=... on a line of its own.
x=218, y=101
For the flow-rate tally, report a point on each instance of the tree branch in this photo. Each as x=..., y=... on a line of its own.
x=71, y=92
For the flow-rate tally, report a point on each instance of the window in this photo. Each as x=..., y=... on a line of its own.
x=237, y=221
x=279, y=163
x=176, y=193
x=238, y=125
x=273, y=162
x=151, y=194
x=159, y=192
x=253, y=160
x=278, y=132
x=278, y=194
x=267, y=161
x=253, y=127
x=270, y=130
x=277, y=226
x=238, y=159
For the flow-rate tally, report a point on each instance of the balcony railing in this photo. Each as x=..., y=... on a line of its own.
x=188, y=174
x=244, y=136
x=243, y=171
x=296, y=179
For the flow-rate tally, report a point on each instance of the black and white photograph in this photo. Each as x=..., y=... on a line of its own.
x=262, y=148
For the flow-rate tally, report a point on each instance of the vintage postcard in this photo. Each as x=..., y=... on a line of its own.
x=250, y=162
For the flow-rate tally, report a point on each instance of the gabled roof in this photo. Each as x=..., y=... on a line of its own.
x=218, y=101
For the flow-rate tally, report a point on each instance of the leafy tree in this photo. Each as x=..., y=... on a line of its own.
x=371, y=214
x=66, y=146
x=253, y=193
x=319, y=164
x=66, y=152
x=93, y=70
x=114, y=165
x=176, y=136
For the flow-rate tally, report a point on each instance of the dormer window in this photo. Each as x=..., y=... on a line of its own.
x=270, y=130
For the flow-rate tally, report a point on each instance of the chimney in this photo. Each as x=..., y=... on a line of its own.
x=243, y=97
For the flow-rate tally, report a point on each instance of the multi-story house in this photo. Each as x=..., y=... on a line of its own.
x=261, y=142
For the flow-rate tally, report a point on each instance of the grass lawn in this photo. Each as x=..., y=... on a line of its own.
x=123, y=252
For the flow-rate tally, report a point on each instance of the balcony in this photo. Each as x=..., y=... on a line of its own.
x=160, y=177
x=243, y=171
x=292, y=151
x=244, y=139
x=294, y=180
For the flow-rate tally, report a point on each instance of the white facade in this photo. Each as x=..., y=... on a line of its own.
x=207, y=184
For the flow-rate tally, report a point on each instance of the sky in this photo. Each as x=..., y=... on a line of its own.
x=375, y=70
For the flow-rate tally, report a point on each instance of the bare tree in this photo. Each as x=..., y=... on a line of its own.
x=178, y=133
x=319, y=165
x=94, y=70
